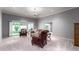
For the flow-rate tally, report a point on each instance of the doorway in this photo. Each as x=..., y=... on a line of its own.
x=76, y=34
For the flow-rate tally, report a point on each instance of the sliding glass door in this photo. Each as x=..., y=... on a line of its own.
x=15, y=27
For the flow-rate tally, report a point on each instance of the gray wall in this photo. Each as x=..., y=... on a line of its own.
x=36, y=23
x=0, y=26
x=6, y=18
x=63, y=23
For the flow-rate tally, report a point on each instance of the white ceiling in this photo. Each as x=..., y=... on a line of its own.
x=26, y=12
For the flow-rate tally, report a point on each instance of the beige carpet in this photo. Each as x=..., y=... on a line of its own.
x=24, y=44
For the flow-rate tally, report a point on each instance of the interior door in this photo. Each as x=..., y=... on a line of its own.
x=76, y=34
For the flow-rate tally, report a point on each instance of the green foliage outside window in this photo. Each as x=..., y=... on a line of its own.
x=16, y=28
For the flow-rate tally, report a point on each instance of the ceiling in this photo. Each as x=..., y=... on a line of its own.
x=34, y=13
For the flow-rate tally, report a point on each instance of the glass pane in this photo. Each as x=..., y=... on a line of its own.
x=47, y=26
x=15, y=28
x=30, y=26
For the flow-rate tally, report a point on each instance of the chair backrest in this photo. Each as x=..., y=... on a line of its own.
x=43, y=34
x=23, y=30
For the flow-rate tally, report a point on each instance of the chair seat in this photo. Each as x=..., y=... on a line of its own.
x=40, y=41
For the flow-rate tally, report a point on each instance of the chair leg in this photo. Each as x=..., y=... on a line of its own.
x=41, y=45
x=32, y=44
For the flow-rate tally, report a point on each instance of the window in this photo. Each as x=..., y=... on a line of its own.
x=47, y=26
x=30, y=26
x=15, y=27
